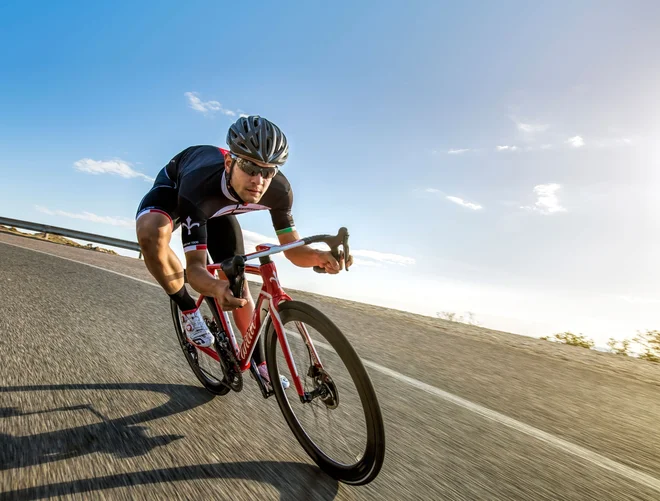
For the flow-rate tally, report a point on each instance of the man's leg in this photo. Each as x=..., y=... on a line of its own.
x=154, y=232
x=243, y=316
x=225, y=239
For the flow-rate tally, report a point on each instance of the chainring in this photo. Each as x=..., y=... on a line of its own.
x=228, y=361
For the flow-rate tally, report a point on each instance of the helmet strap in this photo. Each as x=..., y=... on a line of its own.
x=229, y=186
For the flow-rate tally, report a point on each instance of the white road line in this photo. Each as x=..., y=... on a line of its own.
x=576, y=450
x=563, y=445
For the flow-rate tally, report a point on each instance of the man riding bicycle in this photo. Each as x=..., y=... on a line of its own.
x=200, y=190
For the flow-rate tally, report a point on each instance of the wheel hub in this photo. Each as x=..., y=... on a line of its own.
x=327, y=391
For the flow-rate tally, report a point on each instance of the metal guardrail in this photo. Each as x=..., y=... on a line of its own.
x=65, y=232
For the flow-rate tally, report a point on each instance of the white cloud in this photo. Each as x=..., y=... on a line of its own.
x=506, y=147
x=383, y=257
x=547, y=201
x=531, y=128
x=462, y=202
x=458, y=152
x=117, y=167
x=88, y=216
x=432, y=190
x=576, y=141
x=528, y=131
x=206, y=106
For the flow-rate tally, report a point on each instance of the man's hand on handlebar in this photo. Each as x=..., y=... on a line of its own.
x=227, y=300
x=328, y=262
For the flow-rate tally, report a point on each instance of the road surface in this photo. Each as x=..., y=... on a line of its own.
x=97, y=402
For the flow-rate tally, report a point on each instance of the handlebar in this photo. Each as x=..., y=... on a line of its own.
x=234, y=267
x=341, y=238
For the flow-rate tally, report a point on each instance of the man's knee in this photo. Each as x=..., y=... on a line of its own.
x=154, y=231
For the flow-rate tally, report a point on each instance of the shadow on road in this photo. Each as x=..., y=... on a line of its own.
x=294, y=481
x=123, y=437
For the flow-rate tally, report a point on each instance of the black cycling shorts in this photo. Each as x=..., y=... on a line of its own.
x=224, y=234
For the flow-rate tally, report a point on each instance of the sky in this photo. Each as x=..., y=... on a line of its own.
x=494, y=158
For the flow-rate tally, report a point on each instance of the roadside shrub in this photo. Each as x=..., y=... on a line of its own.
x=649, y=342
x=453, y=317
x=619, y=347
x=570, y=338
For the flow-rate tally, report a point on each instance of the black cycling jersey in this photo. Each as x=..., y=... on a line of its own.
x=192, y=188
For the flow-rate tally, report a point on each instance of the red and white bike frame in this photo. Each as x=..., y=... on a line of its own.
x=270, y=296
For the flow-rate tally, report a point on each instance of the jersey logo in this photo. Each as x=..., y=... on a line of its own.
x=189, y=226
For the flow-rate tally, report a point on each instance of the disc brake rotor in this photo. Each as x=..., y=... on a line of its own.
x=326, y=389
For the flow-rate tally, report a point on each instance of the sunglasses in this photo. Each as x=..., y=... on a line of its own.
x=252, y=169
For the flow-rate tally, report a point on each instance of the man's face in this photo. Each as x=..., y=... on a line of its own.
x=250, y=185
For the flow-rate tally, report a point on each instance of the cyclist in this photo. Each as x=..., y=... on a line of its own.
x=200, y=190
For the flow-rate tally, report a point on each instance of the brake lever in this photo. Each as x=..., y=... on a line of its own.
x=234, y=270
x=340, y=239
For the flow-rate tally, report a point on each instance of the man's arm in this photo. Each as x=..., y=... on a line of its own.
x=206, y=284
x=306, y=256
x=198, y=276
x=193, y=238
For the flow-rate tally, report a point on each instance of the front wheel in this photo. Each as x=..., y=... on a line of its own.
x=340, y=424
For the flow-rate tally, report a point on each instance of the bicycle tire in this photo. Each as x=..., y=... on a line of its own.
x=369, y=466
x=217, y=388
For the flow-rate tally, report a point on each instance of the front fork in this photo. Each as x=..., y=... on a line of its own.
x=324, y=387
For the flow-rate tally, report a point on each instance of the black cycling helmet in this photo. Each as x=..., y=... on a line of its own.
x=259, y=139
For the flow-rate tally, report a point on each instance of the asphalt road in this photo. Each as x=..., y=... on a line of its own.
x=97, y=402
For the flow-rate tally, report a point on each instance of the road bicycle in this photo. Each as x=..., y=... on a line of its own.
x=321, y=389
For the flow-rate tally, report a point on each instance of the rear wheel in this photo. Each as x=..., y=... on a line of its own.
x=340, y=425
x=208, y=371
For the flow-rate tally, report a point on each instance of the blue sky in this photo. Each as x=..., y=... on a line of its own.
x=500, y=158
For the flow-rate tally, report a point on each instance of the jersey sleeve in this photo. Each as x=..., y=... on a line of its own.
x=282, y=215
x=193, y=226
